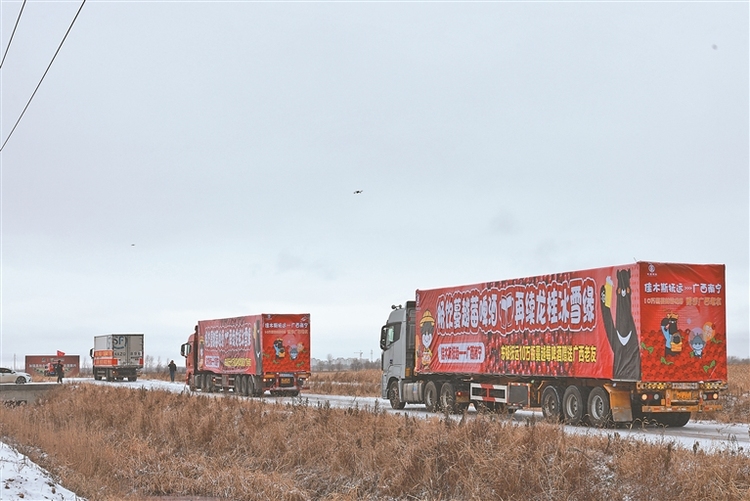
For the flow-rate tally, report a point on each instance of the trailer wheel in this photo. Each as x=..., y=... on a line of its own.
x=431, y=397
x=574, y=405
x=396, y=402
x=600, y=413
x=448, y=398
x=551, y=404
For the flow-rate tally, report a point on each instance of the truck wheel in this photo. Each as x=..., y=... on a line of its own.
x=396, y=402
x=448, y=398
x=551, y=404
x=573, y=405
x=109, y=376
x=98, y=377
x=599, y=411
x=251, y=390
x=132, y=378
x=431, y=397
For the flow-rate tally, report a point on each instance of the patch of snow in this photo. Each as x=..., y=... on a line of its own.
x=20, y=478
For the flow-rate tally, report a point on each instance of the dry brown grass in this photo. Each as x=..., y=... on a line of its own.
x=737, y=397
x=365, y=383
x=107, y=443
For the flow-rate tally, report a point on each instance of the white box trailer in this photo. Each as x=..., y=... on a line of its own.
x=117, y=356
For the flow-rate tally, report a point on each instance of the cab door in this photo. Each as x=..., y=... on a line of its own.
x=393, y=354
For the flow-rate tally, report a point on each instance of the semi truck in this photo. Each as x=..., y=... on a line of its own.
x=642, y=341
x=117, y=356
x=249, y=355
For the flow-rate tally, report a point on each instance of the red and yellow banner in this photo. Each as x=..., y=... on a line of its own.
x=255, y=344
x=606, y=323
x=286, y=343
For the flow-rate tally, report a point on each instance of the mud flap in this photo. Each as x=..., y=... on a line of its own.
x=619, y=403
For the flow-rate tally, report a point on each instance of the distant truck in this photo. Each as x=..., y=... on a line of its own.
x=638, y=341
x=117, y=356
x=250, y=355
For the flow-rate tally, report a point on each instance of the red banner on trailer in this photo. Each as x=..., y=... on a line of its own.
x=604, y=323
x=229, y=345
x=236, y=345
x=286, y=343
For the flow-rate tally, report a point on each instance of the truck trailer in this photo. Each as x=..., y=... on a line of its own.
x=117, y=356
x=642, y=341
x=249, y=355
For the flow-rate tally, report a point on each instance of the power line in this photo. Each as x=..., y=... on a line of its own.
x=13, y=33
x=44, y=75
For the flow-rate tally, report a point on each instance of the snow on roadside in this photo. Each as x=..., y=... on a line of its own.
x=20, y=478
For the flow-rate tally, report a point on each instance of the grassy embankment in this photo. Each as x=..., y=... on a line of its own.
x=107, y=443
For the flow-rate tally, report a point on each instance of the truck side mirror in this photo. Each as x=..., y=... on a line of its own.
x=185, y=349
x=383, y=337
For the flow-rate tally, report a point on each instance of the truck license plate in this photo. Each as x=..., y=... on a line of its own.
x=286, y=380
x=683, y=395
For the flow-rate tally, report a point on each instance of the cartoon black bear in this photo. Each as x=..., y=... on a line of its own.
x=622, y=334
x=672, y=337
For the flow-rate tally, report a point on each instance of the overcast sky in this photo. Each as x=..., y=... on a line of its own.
x=185, y=161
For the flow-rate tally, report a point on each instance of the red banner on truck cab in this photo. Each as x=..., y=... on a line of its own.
x=639, y=322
